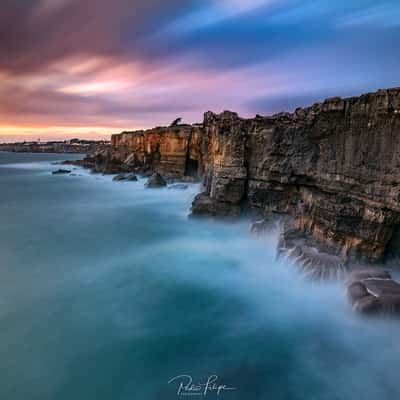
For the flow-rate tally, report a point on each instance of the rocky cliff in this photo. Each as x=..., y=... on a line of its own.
x=332, y=169
x=171, y=151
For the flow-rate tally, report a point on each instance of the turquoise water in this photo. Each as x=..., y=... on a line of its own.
x=108, y=290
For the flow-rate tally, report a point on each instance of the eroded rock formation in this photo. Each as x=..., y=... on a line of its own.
x=373, y=291
x=171, y=151
x=333, y=169
x=155, y=181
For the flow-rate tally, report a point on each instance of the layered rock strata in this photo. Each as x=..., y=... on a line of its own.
x=333, y=169
x=170, y=151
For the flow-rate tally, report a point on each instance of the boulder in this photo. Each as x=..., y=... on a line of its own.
x=259, y=227
x=356, y=291
x=131, y=177
x=120, y=177
x=156, y=180
x=125, y=177
x=374, y=291
x=368, y=305
x=368, y=273
x=61, y=171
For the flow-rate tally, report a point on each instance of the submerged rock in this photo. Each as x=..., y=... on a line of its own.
x=156, y=180
x=315, y=264
x=125, y=177
x=120, y=177
x=131, y=177
x=374, y=291
x=61, y=171
x=259, y=227
x=309, y=257
x=368, y=273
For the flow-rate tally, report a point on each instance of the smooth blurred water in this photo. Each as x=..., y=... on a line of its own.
x=108, y=290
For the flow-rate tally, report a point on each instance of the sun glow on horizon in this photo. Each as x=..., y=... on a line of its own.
x=69, y=69
x=13, y=133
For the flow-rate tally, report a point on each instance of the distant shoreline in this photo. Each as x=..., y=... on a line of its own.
x=41, y=152
x=74, y=146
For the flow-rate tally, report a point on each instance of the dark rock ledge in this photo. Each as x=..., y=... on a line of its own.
x=125, y=177
x=373, y=291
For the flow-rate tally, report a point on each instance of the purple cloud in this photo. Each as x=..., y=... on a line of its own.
x=134, y=63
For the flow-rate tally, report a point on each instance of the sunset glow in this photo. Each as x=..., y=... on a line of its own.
x=89, y=68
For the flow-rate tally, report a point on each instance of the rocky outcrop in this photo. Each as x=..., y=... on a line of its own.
x=155, y=181
x=131, y=178
x=125, y=177
x=304, y=252
x=119, y=177
x=332, y=169
x=224, y=162
x=100, y=160
x=373, y=291
x=171, y=151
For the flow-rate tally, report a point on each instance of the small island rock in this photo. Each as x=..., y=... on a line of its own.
x=61, y=171
x=156, y=180
x=131, y=178
x=120, y=177
x=125, y=177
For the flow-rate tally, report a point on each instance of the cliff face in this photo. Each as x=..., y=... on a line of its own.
x=171, y=151
x=333, y=168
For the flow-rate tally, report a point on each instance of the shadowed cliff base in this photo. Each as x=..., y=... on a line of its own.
x=331, y=168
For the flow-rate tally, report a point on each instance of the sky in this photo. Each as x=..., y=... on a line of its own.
x=90, y=68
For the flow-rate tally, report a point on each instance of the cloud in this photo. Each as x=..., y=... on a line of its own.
x=386, y=15
x=36, y=33
x=136, y=63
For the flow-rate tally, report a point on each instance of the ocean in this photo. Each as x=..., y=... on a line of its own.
x=109, y=291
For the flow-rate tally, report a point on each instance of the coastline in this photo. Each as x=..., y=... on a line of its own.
x=315, y=265
x=304, y=165
x=313, y=166
x=301, y=168
x=74, y=146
